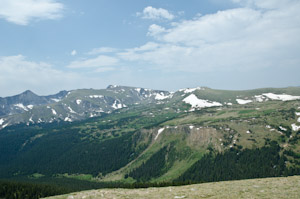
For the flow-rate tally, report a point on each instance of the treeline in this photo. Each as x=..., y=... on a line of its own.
x=238, y=164
x=157, y=165
x=17, y=190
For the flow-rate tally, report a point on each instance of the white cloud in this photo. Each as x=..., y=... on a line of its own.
x=155, y=30
x=74, y=52
x=100, y=61
x=266, y=4
x=21, y=12
x=18, y=74
x=104, y=69
x=261, y=37
x=96, y=51
x=156, y=14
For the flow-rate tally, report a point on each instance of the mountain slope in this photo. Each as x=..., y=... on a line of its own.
x=72, y=105
x=156, y=136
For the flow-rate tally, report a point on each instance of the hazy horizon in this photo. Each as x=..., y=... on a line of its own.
x=144, y=88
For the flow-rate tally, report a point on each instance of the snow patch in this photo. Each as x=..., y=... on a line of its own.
x=71, y=110
x=282, y=128
x=248, y=132
x=96, y=96
x=21, y=106
x=30, y=120
x=159, y=132
x=68, y=93
x=190, y=90
x=295, y=127
x=297, y=113
x=30, y=106
x=298, y=120
x=118, y=105
x=259, y=98
x=1, y=121
x=191, y=127
x=56, y=100
x=138, y=90
x=93, y=115
x=67, y=119
x=282, y=97
x=242, y=101
x=199, y=103
x=78, y=101
x=162, y=96
x=53, y=112
x=5, y=125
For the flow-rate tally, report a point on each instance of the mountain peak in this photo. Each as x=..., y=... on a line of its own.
x=28, y=92
x=112, y=86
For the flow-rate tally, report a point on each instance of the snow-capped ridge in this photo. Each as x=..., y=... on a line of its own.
x=112, y=86
x=190, y=90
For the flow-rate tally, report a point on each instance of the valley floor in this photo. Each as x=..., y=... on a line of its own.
x=283, y=187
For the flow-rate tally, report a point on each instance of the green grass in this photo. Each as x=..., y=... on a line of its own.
x=246, y=111
x=87, y=177
x=36, y=176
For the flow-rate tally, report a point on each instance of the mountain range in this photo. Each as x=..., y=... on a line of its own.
x=81, y=104
x=136, y=135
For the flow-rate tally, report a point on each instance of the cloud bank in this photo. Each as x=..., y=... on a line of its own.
x=22, y=12
x=156, y=14
x=258, y=35
x=254, y=45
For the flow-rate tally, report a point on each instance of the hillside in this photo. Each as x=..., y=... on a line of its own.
x=255, y=188
x=192, y=135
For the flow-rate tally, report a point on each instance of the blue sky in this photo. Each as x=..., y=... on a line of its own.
x=52, y=45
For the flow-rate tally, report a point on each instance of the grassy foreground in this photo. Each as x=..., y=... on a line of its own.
x=283, y=187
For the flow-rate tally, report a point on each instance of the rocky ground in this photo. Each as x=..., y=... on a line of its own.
x=284, y=187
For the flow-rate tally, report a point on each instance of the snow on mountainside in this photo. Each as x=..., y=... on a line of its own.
x=282, y=97
x=74, y=105
x=80, y=104
x=268, y=96
x=241, y=101
x=199, y=103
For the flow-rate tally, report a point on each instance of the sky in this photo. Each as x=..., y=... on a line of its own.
x=51, y=45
